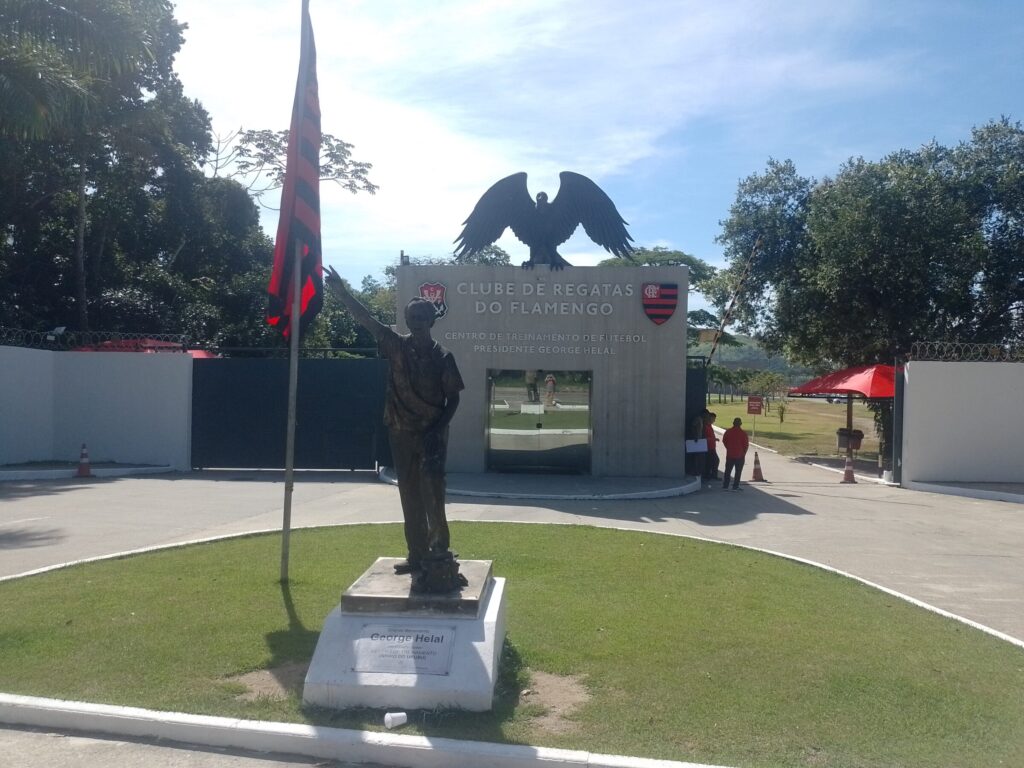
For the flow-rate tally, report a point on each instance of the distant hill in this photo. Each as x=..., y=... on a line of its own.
x=750, y=354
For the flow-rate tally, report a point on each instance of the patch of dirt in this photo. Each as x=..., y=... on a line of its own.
x=559, y=696
x=276, y=683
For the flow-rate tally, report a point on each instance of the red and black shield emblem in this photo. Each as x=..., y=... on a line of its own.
x=434, y=293
x=659, y=300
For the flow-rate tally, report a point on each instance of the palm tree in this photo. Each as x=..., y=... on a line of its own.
x=53, y=56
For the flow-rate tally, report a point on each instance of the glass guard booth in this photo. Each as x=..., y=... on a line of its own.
x=539, y=421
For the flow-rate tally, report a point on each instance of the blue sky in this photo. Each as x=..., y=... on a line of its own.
x=666, y=105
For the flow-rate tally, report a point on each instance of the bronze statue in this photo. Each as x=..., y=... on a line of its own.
x=423, y=393
x=544, y=226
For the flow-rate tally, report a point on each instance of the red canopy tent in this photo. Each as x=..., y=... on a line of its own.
x=870, y=381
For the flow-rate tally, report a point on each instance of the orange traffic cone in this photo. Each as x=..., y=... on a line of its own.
x=758, y=477
x=848, y=472
x=83, y=463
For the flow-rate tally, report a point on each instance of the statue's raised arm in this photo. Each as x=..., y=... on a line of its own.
x=362, y=315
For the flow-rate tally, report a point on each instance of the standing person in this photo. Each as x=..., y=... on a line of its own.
x=711, y=462
x=698, y=460
x=422, y=395
x=549, y=388
x=531, y=387
x=736, y=443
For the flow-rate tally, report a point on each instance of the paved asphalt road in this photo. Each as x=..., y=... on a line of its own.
x=38, y=749
x=962, y=555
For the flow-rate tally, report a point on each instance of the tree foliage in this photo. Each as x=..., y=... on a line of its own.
x=257, y=159
x=58, y=58
x=700, y=271
x=921, y=245
x=106, y=218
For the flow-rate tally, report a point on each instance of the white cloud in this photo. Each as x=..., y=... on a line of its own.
x=445, y=98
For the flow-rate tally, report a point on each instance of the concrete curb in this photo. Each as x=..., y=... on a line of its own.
x=305, y=740
x=970, y=493
x=858, y=475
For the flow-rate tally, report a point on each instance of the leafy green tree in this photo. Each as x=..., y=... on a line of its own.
x=492, y=255
x=921, y=245
x=258, y=159
x=719, y=377
x=128, y=131
x=659, y=256
x=57, y=57
x=771, y=206
x=992, y=168
x=106, y=218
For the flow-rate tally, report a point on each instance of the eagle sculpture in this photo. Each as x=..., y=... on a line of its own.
x=544, y=226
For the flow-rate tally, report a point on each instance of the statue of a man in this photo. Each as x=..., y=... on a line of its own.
x=423, y=393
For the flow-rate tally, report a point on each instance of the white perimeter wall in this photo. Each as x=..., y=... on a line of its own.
x=127, y=407
x=26, y=405
x=963, y=422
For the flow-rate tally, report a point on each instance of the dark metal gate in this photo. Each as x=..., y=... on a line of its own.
x=240, y=413
x=696, y=388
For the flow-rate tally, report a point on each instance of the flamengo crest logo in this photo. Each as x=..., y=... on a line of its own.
x=434, y=293
x=659, y=300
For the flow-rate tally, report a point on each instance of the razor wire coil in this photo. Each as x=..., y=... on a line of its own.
x=59, y=339
x=955, y=351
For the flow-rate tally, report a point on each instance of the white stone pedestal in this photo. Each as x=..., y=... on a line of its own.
x=535, y=408
x=385, y=646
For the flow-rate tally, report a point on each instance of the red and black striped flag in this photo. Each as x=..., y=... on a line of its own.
x=300, y=201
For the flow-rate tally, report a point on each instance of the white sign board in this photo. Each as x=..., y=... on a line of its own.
x=405, y=650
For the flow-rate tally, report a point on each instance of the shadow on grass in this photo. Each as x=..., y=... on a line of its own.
x=291, y=646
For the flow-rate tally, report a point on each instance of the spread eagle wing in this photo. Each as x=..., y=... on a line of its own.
x=506, y=204
x=581, y=201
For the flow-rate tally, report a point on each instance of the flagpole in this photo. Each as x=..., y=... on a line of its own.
x=299, y=211
x=294, y=325
x=293, y=391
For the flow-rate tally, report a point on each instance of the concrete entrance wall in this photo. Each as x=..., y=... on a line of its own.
x=581, y=318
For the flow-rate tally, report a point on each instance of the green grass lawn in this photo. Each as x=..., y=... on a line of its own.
x=809, y=427
x=688, y=650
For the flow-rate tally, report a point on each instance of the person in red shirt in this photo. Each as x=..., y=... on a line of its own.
x=736, y=443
